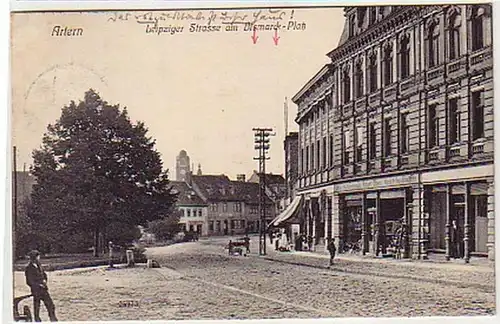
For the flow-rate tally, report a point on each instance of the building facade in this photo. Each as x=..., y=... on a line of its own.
x=397, y=130
x=291, y=146
x=233, y=206
x=193, y=210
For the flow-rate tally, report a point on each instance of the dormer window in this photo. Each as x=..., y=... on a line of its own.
x=373, y=15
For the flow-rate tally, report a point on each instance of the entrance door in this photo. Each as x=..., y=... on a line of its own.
x=481, y=223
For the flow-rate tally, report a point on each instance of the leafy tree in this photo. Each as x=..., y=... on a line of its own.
x=96, y=168
x=166, y=228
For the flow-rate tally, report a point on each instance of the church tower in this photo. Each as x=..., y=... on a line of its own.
x=182, y=166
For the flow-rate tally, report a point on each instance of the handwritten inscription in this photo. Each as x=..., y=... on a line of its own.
x=66, y=31
x=211, y=21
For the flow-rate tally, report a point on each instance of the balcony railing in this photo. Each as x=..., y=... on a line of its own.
x=433, y=156
x=481, y=56
x=405, y=85
x=390, y=91
x=374, y=98
x=478, y=148
x=454, y=152
x=404, y=160
x=387, y=163
x=435, y=73
x=454, y=67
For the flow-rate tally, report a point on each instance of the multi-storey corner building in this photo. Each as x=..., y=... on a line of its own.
x=399, y=128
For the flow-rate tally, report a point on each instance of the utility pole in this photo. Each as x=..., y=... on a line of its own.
x=262, y=145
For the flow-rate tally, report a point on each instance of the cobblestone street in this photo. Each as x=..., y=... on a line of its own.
x=200, y=281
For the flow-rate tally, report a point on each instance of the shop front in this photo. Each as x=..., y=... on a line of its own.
x=375, y=216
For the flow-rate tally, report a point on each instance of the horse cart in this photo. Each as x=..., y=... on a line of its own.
x=26, y=314
x=239, y=246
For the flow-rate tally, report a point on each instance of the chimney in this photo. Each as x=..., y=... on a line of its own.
x=240, y=177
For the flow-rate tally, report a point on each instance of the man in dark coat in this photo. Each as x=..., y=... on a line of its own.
x=332, y=249
x=36, y=279
x=247, y=243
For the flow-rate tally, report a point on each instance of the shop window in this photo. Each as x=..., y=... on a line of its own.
x=388, y=65
x=454, y=121
x=454, y=36
x=372, y=141
x=405, y=57
x=433, y=126
x=477, y=108
x=405, y=133
x=477, y=28
x=211, y=225
x=433, y=45
x=387, y=137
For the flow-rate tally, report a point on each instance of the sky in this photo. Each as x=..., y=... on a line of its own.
x=198, y=91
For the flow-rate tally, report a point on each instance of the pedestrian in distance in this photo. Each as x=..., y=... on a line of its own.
x=247, y=243
x=36, y=279
x=332, y=249
x=230, y=247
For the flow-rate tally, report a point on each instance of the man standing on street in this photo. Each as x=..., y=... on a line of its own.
x=36, y=278
x=332, y=249
x=247, y=243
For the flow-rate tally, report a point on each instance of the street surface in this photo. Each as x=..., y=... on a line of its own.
x=200, y=281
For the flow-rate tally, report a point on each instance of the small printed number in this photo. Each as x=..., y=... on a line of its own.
x=128, y=303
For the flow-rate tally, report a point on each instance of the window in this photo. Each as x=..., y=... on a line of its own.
x=381, y=12
x=302, y=166
x=324, y=152
x=347, y=86
x=359, y=143
x=359, y=80
x=373, y=75
x=477, y=28
x=433, y=45
x=307, y=159
x=405, y=57
x=477, y=115
x=387, y=137
x=347, y=144
x=454, y=36
x=405, y=133
x=188, y=212
x=388, y=65
x=213, y=207
x=352, y=25
x=182, y=212
x=373, y=15
x=224, y=207
x=312, y=157
x=331, y=150
x=373, y=142
x=318, y=154
x=433, y=126
x=454, y=121
x=200, y=213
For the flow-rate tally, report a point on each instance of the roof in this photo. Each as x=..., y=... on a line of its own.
x=322, y=72
x=220, y=188
x=186, y=195
x=272, y=179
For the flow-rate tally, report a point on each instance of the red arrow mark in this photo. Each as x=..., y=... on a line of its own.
x=254, y=36
x=275, y=37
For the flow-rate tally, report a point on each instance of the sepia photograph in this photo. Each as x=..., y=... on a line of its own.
x=252, y=163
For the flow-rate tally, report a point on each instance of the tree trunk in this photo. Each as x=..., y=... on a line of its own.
x=96, y=242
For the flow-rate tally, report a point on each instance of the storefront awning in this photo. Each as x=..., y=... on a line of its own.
x=289, y=212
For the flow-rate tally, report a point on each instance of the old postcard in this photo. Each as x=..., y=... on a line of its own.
x=253, y=163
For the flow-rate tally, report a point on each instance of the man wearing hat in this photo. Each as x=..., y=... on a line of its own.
x=36, y=278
